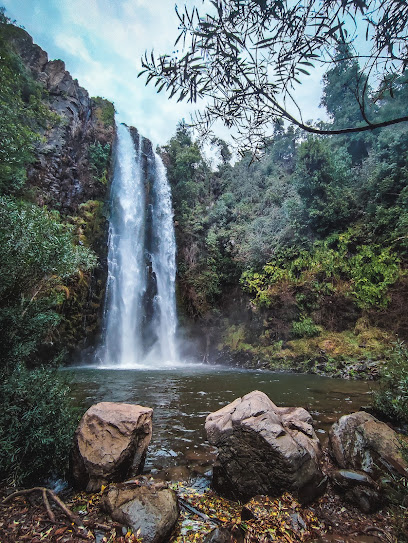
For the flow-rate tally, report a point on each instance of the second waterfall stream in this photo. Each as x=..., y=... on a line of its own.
x=140, y=319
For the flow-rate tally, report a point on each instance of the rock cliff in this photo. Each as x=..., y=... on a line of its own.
x=70, y=175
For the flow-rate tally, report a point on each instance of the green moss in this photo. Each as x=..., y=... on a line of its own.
x=329, y=353
x=104, y=111
x=90, y=222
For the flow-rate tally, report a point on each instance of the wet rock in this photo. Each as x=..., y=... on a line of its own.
x=225, y=534
x=110, y=443
x=361, y=442
x=264, y=449
x=357, y=488
x=152, y=509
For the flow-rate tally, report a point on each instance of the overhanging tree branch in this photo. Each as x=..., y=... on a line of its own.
x=245, y=57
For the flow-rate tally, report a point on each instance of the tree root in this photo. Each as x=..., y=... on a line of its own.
x=47, y=493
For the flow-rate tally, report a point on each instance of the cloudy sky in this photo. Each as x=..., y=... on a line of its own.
x=102, y=41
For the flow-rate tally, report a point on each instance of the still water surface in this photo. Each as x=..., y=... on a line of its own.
x=183, y=397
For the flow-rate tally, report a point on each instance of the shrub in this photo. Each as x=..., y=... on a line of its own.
x=104, y=111
x=99, y=158
x=392, y=396
x=305, y=328
x=37, y=423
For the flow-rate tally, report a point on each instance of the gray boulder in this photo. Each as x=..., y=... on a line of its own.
x=357, y=488
x=264, y=449
x=361, y=442
x=150, y=509
x=110, y=444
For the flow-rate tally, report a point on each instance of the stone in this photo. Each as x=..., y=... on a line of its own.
x=264, y=449
x=361, y=442
x=225, y=534
x=151, y=510
x=110, y=444
x=357, y=488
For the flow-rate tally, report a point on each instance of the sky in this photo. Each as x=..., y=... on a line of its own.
x=102, y=42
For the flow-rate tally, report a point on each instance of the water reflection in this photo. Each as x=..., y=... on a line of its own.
x=182, y=398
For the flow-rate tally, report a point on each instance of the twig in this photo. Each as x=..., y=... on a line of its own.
x=62, y=506
x=195, y=511
x=47, y=505
x=44, y=491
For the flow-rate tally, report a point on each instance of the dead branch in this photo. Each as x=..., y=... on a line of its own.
x=47, y=505
x=44, y=491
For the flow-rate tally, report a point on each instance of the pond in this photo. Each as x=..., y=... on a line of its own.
x=183, y=397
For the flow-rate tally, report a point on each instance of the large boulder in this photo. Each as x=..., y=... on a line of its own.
x=150, y=509
x=264, y=449
x=110, y=444
x=361, y=442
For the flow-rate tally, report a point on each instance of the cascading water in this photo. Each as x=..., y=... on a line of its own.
x=164, y=262
x=140, y=318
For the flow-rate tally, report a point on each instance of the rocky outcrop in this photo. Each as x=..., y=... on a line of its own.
x=361, y=442
x=151, y=510
x=62, y=173
x=69, y=176
x=264, y=449
x=110, y=444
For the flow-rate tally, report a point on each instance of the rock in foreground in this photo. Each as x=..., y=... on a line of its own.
x=361, y=442
x=151, y=509
x=264, y=449
x=110, y=444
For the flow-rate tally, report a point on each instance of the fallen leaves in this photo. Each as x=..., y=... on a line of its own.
x=262, y=519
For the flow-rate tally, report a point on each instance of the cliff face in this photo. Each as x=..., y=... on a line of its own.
x=70, y=174
x=63, y=174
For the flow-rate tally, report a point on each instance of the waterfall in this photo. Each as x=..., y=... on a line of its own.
x=164, y=262
x=140, y=317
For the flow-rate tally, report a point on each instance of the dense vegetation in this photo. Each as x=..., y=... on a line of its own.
x=315, y=233
x=42, y=261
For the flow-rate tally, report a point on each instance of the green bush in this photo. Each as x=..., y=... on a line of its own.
x=104, y=111
x=305, y=327
x=37, y=423
x=99, y=158
x=392, y=396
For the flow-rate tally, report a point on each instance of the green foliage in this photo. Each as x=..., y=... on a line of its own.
x=36, y=248
x=305, y=328
x=37, y=423
x=392, y=396
x=99, y=158
x=363, y=272
x=203, y=260
x=323, y=182
x=23, y=115
x=37, y=257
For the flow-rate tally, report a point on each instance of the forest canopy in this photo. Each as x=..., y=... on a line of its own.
x=245, y=59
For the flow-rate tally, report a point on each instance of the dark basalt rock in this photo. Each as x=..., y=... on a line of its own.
x=264, y=449
x=357, y=488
